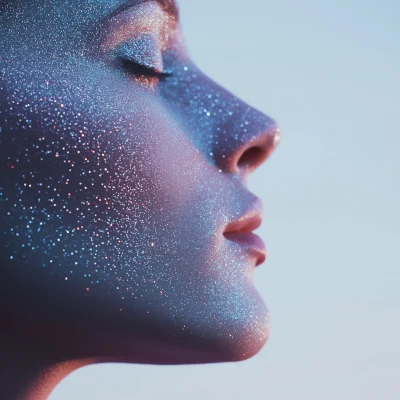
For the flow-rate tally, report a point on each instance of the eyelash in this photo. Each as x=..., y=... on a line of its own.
x=140, y=69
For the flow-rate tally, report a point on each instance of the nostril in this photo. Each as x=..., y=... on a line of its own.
x=252, y=158
x=245, y=155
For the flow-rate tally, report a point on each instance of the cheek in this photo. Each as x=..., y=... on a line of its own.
x=102, y=187
x=104, y=194
x=79, y=158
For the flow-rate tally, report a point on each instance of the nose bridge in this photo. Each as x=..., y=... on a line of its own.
x=231, y=134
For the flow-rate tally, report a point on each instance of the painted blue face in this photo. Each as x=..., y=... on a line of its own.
x=122, y=165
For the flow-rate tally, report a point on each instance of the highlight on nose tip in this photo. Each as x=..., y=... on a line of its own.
x=258, y=149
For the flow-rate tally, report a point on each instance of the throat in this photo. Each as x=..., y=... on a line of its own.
x=28, y=371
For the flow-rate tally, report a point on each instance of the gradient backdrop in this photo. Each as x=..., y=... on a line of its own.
x=329, y=73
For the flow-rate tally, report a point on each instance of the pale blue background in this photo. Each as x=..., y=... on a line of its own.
x=329, y=73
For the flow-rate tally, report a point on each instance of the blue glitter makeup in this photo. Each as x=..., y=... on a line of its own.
x=117, y=185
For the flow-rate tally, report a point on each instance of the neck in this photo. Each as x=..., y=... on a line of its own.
x=29, y=371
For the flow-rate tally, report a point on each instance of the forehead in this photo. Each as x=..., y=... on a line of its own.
x=77, y=9
x=169, y=6
x=146, y=18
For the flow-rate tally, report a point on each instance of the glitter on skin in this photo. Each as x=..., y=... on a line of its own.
x=116, y=186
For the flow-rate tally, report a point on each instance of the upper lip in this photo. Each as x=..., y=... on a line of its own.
x=240, y=231
x=246, y=223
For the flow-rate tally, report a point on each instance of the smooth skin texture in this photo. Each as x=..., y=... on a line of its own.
x=121, y=166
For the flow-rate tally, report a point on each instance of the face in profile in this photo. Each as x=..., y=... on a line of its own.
x=125, y=217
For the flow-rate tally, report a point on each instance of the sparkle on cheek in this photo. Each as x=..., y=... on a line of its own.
x=115, y=191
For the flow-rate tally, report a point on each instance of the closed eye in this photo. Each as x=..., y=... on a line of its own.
x=140, y=70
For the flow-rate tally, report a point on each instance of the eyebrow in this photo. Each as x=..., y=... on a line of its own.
x=169, y=6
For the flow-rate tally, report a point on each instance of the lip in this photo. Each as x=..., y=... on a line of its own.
x=251, y=242
x=240, y=232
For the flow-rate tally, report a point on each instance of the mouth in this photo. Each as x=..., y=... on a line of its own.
x=240, y=231
x=251, y=242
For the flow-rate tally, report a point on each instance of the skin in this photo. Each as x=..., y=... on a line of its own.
x=121, y=165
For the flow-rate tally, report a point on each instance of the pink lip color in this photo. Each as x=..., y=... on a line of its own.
x=252, y=242
x=245, y=224
x=240, y=231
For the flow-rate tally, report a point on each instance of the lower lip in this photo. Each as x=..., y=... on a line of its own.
x=251, y=242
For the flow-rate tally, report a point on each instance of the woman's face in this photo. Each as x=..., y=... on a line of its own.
x=122, y=165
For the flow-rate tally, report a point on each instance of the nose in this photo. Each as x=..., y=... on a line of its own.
x=232, y=135
x=245, y=139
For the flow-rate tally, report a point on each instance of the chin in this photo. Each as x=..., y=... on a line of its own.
x=232, y=339
x=248, y=339
x=165, y=343
x=232, y=326
x=187, y=352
